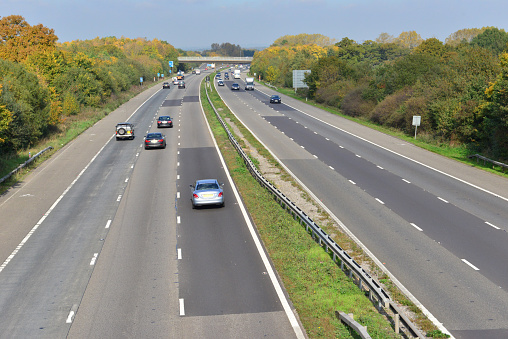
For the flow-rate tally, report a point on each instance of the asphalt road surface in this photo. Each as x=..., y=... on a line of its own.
x=100, y=241
x=438, y=226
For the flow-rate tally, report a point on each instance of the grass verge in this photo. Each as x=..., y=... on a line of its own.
x=316, y=285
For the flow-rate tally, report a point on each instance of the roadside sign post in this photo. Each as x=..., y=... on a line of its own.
x=416, y=122
x=170, y=65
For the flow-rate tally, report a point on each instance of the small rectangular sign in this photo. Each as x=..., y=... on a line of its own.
x=170, y=63
x=416, y=120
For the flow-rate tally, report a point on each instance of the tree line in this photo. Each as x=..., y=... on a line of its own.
x=459, y=88
x=43, y=82
x=227, y=49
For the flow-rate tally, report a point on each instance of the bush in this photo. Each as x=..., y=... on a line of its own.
x=355, y=104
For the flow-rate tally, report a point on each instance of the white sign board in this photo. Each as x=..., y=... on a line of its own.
x=416, y=122
x=299, y=77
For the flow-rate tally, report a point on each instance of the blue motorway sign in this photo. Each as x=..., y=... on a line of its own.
x=170, y=63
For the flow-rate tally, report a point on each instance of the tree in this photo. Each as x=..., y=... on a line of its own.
x=5, y=120
x=18, y=39
x=493, y=39
x=304, y=39
x=28, y=101
x=409, y=39
x=495, y=113
x=385, y=38
x=463, y=35
x=431, y=46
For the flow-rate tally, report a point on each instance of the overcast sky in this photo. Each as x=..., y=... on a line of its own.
x=196, y=24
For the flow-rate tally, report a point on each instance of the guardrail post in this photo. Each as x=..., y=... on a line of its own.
x=397, y=323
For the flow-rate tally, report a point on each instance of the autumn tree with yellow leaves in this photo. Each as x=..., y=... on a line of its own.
x=18, y=39
x=43, y=81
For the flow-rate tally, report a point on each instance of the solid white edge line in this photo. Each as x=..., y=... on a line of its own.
x=470, y=265
x=182, y=307
x=275, y=282
x=396, y=281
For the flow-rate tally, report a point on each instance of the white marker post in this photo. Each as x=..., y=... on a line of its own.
x=416, y=122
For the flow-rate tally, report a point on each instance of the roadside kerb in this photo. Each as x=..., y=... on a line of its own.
x=363, y=280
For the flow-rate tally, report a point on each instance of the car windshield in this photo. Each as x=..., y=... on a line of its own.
x=207, y=186
x=154, y=136
x=165, y=118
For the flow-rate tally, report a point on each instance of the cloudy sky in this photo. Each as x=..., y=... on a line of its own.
x=196, y=24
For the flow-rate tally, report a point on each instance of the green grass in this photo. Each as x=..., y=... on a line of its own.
x=316, y=285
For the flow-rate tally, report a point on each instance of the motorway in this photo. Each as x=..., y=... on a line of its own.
x=101, y=241
x=437, y=226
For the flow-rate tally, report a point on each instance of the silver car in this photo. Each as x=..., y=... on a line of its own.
x=207, y=192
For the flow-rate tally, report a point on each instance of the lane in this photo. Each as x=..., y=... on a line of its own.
x=44, y=278
x=133, y=291
x=347, y=180
x=225, y=290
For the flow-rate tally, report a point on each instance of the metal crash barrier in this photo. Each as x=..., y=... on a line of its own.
x=347, y=264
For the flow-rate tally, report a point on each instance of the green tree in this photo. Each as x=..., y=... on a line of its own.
x=493, y=39
x=431, y=46
x=494, y=113
x=27, y=100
